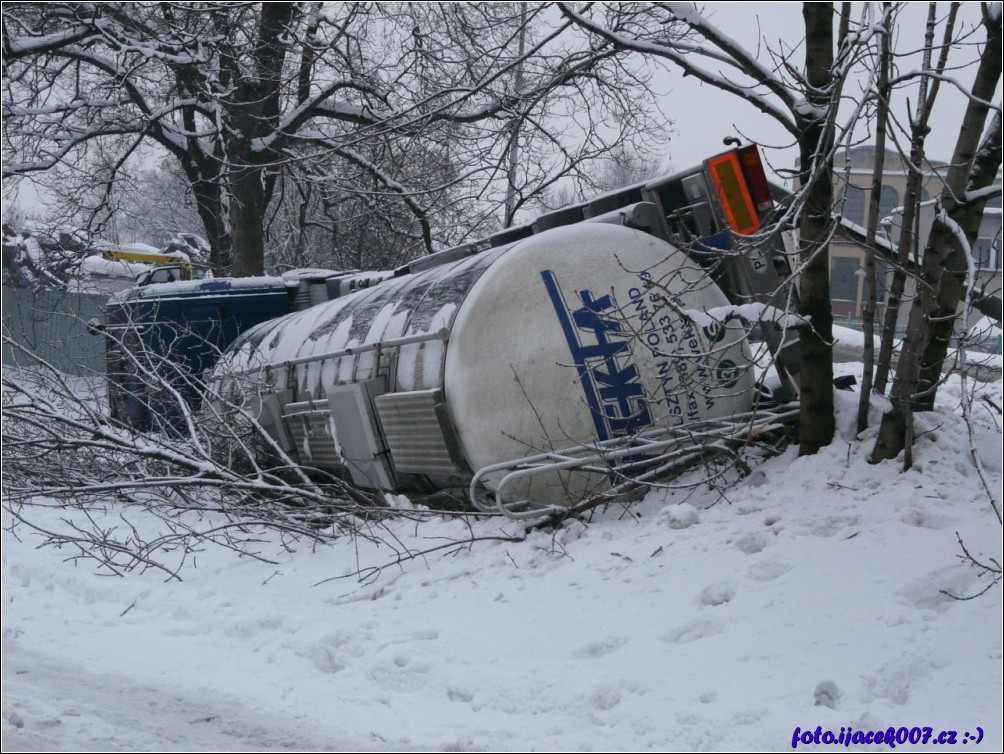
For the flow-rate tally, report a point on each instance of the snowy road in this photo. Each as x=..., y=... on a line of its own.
x=50, y=706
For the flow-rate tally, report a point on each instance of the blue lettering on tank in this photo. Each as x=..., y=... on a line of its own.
x=598, y=344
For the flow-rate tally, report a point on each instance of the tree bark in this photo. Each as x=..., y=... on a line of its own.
x=208, y=203
x=247, y=219
x=816, y=420
x=919, y=129
x=940, y=286
x=870, y=277
x=968, y=217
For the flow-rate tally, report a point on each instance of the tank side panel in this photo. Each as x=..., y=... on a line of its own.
x=410, y=305
x=420, y=365
x=582, y=334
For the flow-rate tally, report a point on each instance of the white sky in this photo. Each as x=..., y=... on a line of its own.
x=704, y=115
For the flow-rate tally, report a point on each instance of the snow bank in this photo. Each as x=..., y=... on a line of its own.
x=814, y=592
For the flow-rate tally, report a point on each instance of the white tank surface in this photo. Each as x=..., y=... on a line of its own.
x=575, y=335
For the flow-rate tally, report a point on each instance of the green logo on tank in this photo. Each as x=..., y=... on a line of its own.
x=727, y=373
x=714, y=331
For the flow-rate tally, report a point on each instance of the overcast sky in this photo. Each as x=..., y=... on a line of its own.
x=704, y=115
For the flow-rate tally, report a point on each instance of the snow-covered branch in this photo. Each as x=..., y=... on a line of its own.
x=242, y=95
x=729, y=53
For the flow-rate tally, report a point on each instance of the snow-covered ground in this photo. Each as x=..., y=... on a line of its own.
x=815, y=592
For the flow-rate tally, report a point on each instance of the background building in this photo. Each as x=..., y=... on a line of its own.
x=853, y=175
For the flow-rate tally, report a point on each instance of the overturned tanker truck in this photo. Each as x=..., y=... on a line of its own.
x=529, y=370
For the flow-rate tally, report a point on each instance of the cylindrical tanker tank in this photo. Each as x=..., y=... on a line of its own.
x=579, y=334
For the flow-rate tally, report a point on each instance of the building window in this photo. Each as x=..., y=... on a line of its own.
x=854, y=204
x=844, y=278
x=888, y=201
x=855, y=201
x=987, y=253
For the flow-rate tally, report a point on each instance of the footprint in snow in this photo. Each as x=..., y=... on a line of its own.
x=717, y=594
x=826, y=694
x=768, y=570
x=897, y=680
x=459, y=695
x=752, y=543
x=939, y=589
x=335, y=652
x=832, y=525
x=681, y=516
x=601, y=648
x=923, y=519
x=699, y=628
x=326, y=659
x=401, y=674
x=605, y=697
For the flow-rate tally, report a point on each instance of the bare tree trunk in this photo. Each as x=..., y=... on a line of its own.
x=871, y=281
x=932, y=315
x=953, y=283
x=247, y=220
x=209, y=206
x=510, y=198
x=816, y=421
x=918, y=134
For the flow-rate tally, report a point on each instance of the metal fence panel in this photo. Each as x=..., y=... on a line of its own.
x=52, y=326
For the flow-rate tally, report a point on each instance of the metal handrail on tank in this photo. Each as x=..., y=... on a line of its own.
x=441, y=334
x=624, y=457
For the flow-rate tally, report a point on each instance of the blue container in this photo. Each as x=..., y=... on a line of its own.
x=161, y=338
